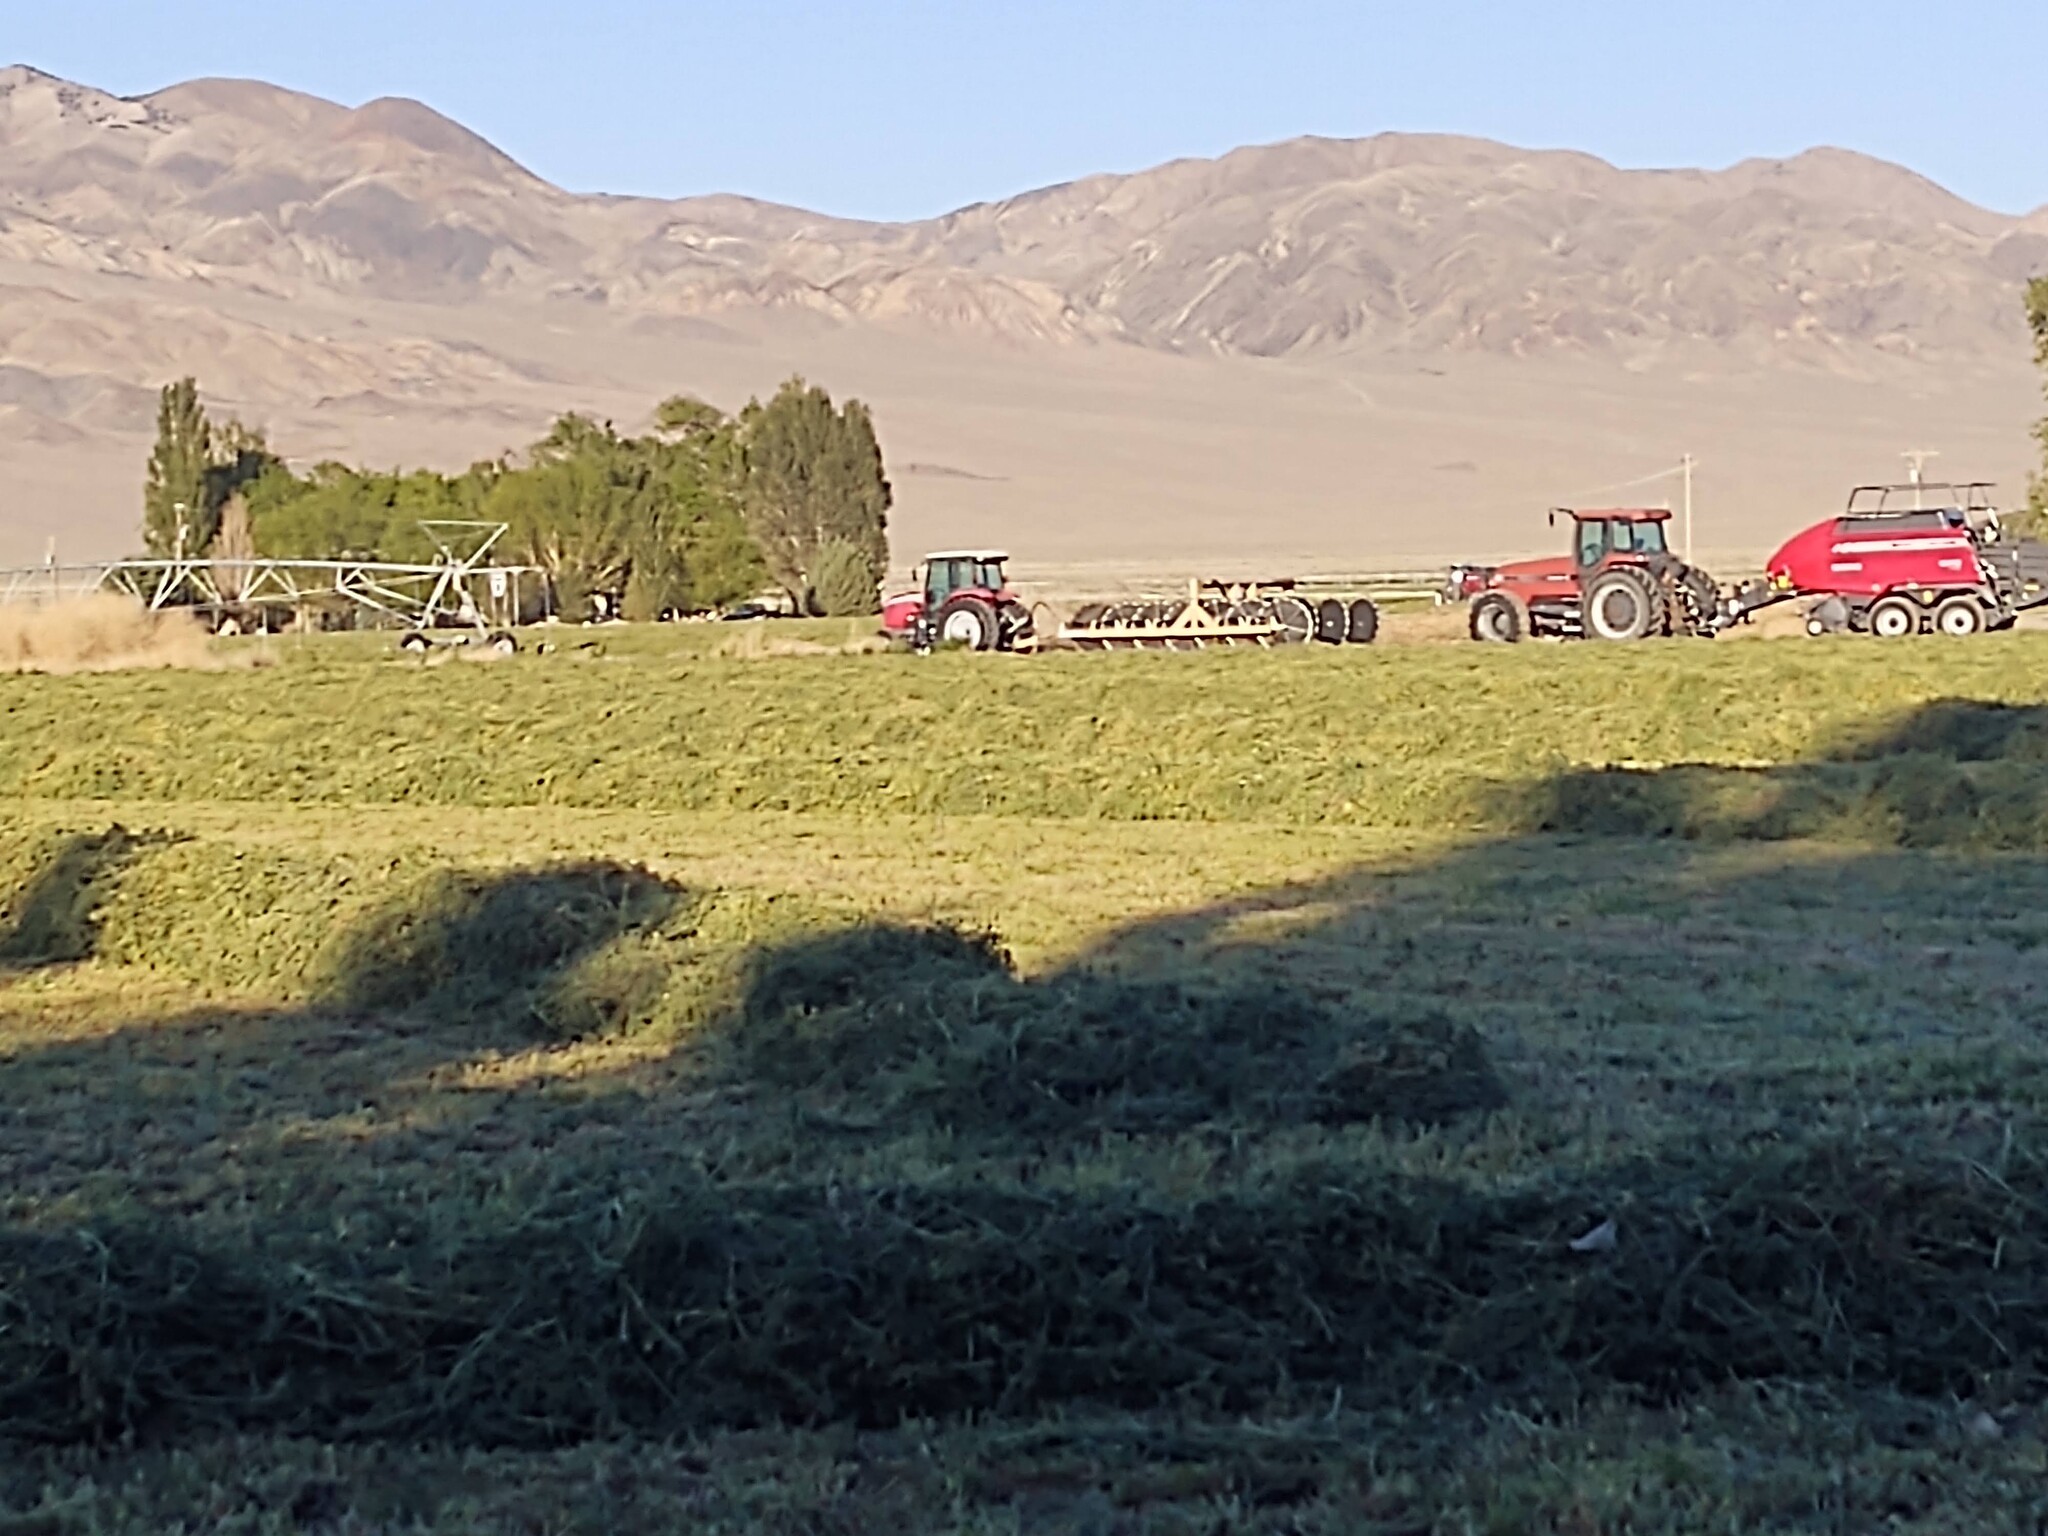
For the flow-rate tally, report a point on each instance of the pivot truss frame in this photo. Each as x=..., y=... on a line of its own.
x=421, y=596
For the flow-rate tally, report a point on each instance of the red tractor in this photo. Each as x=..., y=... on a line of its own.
x=1620, y=582
x=962, y=598
x=1907, y=559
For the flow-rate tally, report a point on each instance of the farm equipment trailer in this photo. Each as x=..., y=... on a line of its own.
x=1223, y=614
x=1941, y=564
x=1906, y=560
x=964, y=598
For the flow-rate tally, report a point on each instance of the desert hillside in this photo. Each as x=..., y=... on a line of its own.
x=1317, y=353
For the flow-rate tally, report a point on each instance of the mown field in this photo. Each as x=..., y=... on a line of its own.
x=1566, y=1089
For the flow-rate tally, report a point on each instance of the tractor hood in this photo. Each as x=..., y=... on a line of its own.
x=1469, y=581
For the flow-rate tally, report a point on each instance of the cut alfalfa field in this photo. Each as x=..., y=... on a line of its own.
x=1127, y=1162
x=1419, y=737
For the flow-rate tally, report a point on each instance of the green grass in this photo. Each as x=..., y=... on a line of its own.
x=586, y=1088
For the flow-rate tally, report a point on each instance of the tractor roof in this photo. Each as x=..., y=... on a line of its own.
x=967, y=554
x=1614, y=514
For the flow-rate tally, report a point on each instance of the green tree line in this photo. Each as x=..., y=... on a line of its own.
x=701, y=510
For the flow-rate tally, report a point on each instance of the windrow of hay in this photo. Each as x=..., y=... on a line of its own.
x=99, y=633
x=1414, y=737
x=560, y=951
x=690, y=1306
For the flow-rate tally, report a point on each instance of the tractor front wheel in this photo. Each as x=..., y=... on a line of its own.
x=1621, y=604
x=1498, y=618
x=1893, y=618
x=970, y=621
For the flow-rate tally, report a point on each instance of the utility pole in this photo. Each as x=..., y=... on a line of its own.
x=1916, y=461
x=1686, y=464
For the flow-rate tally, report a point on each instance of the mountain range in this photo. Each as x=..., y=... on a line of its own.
x=380, y=280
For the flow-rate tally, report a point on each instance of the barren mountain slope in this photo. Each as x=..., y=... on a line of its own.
x=1374, y=338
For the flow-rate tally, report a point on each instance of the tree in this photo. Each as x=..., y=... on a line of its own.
x=845, y=581
x=2037, y=483
x=581, y=511
x=234, y=547
x=237, y=457
x=813, y=473
x=178, y=510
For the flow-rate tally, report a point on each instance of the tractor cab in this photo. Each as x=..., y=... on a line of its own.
x=1619, y=536
x=980, y=571
x=1618, y=580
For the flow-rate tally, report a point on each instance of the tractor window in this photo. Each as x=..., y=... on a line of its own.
x=944, y=579
x=1592, y=542
x=989, y=575
x=1639, y=538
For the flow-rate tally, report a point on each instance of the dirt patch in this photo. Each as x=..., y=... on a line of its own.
x=102, y=633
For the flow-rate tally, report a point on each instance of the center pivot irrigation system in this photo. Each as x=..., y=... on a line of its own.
x=461, y=590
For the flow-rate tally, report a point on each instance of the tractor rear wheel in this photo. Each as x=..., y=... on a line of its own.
x=1017, y=626
x=1364, y=625
x=1690, y=600
x=1622, y=604
x=1959, y=616
x=969, y=621
x=1499, y=618
x=1893, y=618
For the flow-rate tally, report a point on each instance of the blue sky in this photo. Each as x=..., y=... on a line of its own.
x=904, y=108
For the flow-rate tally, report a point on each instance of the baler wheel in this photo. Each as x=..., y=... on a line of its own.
x=1959, y=616
x=1893, y=618
x=1498, y=618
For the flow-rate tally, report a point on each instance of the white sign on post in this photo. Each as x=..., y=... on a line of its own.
x=499, y=584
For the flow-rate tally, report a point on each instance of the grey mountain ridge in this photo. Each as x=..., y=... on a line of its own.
x=1397, y=242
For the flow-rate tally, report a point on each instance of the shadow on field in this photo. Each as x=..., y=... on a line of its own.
x=1545, y=1117
x=52, y=918
x=1955, y=773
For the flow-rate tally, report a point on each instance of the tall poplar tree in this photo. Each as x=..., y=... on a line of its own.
x=814, y=478
x=178, y=490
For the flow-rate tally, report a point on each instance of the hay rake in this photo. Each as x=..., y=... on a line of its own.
x=1220, y=614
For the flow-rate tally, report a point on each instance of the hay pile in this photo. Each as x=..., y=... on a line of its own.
x=896, y=1025
x=695, y=1306
x=100, y=633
